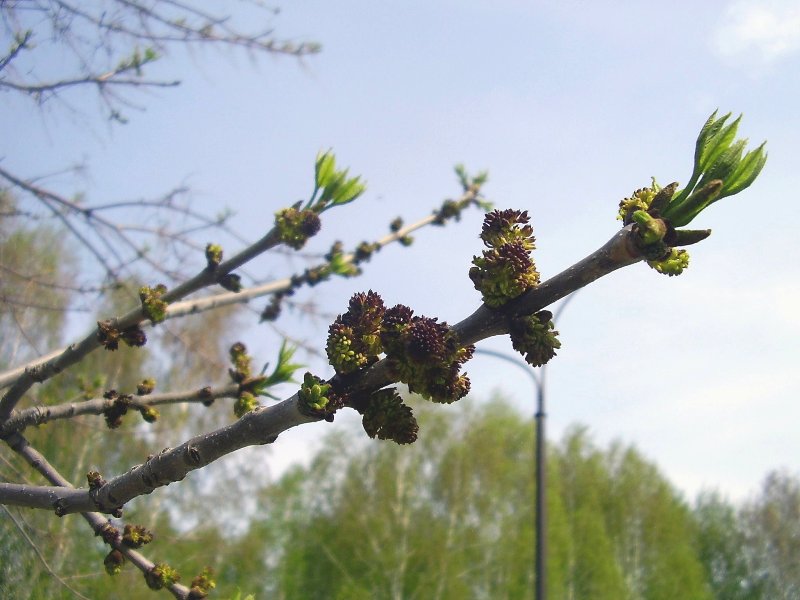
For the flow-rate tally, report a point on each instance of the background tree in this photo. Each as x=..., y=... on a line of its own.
x=451, y=517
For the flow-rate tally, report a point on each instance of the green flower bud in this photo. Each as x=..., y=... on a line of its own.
x=145, y=386
x=312, y=393
x=673, y=264
x=136, y=536
x=244, y=404
x=213, y=255
x=149, y=414
x=295, y=227
x=161, y=575
x=153, y=306
x=649, y=230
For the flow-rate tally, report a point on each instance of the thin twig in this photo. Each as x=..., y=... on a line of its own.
x=39, y=415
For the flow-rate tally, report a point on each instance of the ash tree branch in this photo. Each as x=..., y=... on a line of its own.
x=39, y=415
x=187, y=307
x=198, y=305
x=263, y=425
x=74, y=353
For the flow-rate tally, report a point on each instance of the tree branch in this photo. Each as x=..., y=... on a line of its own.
x=39, y=415
x=98, y=523
x=74, y=353
x=263, y=425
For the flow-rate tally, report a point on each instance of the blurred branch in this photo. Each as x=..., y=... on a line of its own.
x=76, y=352
x=119, y=28
x=39, y=415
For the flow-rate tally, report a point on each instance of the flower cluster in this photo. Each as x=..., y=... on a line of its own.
x=240, y=361
x=506, y=269
x=386, y=417
x=109, y=337
x=354, y=337
x=113, y=562
x=116, y=408
x=241, y=373
x=318, y=399
x=673, y=263
x=423, y=353
x=161, y=575
x=533, y=336
x=295, y=226
x=202, y=584
x=136, y=536
x=426, y=355
x=153, y=307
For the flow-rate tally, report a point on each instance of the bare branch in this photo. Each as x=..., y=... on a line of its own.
x=39, y=415
x=76, y=352
x=16, y=48
x=119, y=27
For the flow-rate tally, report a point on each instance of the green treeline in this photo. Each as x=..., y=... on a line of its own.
x=449, y=517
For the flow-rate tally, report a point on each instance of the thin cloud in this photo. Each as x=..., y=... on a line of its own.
x=761, y=32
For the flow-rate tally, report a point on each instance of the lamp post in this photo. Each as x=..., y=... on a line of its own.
x=540, y=460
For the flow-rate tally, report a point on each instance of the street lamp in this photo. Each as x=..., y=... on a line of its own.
x=540, y=459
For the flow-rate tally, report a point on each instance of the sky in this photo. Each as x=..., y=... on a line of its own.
x=570, y=106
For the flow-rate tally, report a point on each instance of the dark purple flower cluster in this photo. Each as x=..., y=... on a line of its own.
x=505, y=270
x=424, y=353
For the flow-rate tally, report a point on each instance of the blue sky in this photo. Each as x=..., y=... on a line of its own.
x=570, y=106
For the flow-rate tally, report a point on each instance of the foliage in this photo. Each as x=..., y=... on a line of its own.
x=451, y=517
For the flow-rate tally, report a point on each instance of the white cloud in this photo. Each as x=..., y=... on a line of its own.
x=758, y=31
